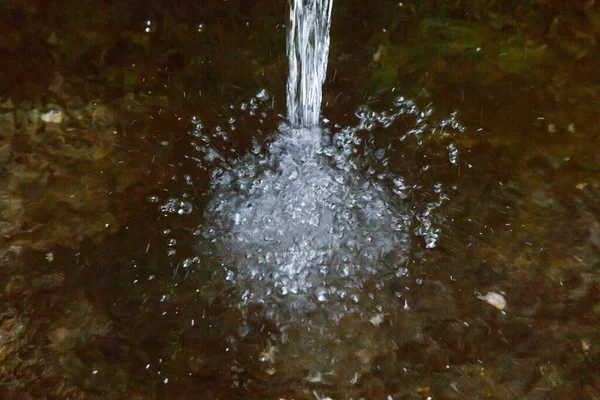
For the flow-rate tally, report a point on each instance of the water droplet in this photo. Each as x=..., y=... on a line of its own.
x=148, y=27
x=263, y=95
x=379, y=153
x=185, y=207
x=176, y=206
x=399, y=101
x=152, y=199
x=453, y=153
x=229, y=275
x=430, y=241
x=322, y=296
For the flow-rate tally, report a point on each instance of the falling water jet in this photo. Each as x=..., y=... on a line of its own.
x=308, y=50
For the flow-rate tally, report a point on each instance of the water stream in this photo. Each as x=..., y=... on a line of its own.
x=308, y=50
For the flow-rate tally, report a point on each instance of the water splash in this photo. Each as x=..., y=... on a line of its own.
x=308, y=50
x=300, y=217
x=317, y=215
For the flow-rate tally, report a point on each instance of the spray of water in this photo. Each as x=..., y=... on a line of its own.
x=308, y=50
x=316, y=217
x=312, y=230
x=301, y=217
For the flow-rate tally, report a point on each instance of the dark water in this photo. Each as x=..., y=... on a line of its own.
x=116, y=116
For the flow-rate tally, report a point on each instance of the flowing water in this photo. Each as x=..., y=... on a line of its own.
x=413, y=215
x=308, y=50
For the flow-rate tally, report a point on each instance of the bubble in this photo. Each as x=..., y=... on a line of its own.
x=153, y=199
x=188, y=262
x=400, y=187
x=322, y=296
x=201, y=27
x=362, y=112
x=148, y=28
x=185, y=207
x=177, y=206
x=399, y=101
x=452, y=153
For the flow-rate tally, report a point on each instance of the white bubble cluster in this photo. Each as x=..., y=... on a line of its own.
x=315, y=214
x=300, y=217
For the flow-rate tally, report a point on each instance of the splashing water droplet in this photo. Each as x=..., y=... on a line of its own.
x=453, y=153
x=362, y=112
x=148, y=28
x=263, y=95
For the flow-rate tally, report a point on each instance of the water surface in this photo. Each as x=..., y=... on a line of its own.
x=457, y=156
